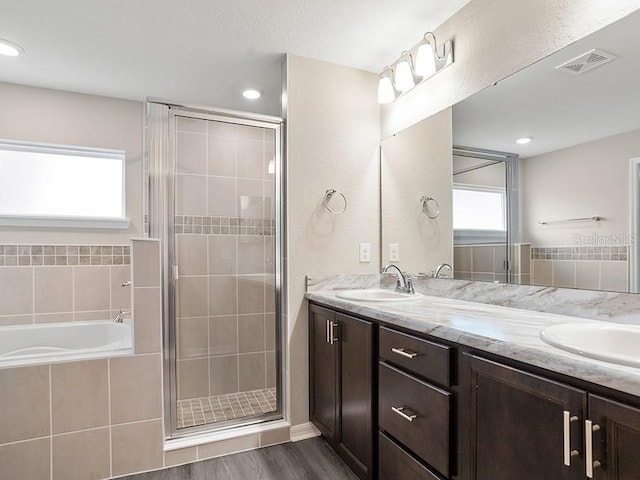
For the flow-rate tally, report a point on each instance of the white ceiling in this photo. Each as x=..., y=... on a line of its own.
x=556, y=108
x=203, y=51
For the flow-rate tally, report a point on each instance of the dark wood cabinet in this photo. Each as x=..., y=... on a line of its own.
x=341, y=378
x=517, y=425
x=433, y=410
x=615, y=441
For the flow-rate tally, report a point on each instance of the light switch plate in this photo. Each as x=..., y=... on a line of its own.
x=365, y=253
x=394, y=252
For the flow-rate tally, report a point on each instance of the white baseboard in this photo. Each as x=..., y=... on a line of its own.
x=303, y=431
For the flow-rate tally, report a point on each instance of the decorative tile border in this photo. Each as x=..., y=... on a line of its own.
x=224, y=225
x=50, y=255
x=618, y=253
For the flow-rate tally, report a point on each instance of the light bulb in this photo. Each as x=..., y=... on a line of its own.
x=10, y=49
x=251, y=94
x=425, y=61
x=403, y=76
x=524, y=140
x=386, y=93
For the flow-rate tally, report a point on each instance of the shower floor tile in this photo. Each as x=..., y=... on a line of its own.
x=201, y=411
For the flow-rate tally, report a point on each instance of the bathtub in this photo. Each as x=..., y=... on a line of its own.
x=56, y=342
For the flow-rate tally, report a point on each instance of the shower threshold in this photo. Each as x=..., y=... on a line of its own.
x=193, y=412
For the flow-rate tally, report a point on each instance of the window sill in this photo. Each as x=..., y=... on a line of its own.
x=65, y=222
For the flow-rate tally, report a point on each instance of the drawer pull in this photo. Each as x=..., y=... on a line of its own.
x=404, y=353
x=400, y=411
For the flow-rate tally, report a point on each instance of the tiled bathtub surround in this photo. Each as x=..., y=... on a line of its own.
x=63, y=293
x=615, y=254
x=89, y=419
x=49, y=255
x=225, y=254
x=594, y=268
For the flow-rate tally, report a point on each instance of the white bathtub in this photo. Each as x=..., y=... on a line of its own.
x=56, y=342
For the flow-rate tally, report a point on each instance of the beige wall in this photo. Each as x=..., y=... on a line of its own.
x=494, y=39
x=491, y=176
x=53, y=116
x=580, y=181
x=332, y=142
x=417, y=162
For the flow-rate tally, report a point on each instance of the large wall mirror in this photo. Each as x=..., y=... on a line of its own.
x=542, y=174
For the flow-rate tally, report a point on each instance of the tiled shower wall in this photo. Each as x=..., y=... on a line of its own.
x=63, y=283
x=225, y=252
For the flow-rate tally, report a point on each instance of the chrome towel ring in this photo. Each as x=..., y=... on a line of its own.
x=430, y=207
x=327, y=198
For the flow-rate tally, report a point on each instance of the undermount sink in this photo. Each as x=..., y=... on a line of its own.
x=609, y=342
x=377, y=295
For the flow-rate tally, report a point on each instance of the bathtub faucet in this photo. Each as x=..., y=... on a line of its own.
x=122, y=314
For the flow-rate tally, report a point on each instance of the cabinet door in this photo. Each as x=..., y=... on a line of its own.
x=323, y=369
x=355, y=437
x=516, y=425
x=616, y=442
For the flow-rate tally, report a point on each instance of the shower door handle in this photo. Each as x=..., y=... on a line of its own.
x=175, y=273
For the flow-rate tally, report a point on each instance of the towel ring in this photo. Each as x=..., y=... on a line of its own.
x=327, y=198
x=427, y=203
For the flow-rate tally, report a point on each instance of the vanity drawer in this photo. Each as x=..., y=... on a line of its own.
x=427, y=359
x=395, y=463
x=416, y=414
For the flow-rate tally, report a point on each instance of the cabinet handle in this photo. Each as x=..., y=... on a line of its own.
x=588, y=454
x=567, y=419
x=404, y=353
x=400, y=411
x=326, y=331
x=332, y=335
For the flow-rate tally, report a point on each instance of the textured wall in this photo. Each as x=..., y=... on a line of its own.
x=333, y=141
x=417, y=162
x=494, y=39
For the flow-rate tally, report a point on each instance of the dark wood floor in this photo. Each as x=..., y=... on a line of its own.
x=305, y=460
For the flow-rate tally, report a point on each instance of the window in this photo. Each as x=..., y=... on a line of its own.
x=56, y=185
x=479, y=214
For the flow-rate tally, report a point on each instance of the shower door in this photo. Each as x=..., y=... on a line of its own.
x=224, y=275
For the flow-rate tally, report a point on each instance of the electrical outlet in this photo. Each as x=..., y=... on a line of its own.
x=394, y=252
x=365, y=253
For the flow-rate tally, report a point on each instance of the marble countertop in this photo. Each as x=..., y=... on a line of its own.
x=509, y=332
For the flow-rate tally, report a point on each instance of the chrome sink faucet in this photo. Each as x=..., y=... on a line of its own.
x=403, y=284
x=440, y=268
x=122, y=314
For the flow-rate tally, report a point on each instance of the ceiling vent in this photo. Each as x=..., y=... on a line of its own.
x=585, y=62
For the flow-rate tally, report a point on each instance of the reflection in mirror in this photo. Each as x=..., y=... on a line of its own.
x=416, y=163
x=579, y=109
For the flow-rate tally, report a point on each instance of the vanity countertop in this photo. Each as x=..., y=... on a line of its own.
x=508, y=332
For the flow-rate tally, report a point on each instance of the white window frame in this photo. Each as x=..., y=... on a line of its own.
x=468, y=236
x=70, y=221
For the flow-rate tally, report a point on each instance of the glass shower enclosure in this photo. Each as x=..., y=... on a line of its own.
x=214, y=202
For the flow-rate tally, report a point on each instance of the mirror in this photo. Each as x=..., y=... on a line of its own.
x=554, y=211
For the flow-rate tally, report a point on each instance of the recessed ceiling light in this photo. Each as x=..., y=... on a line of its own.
x=252, y=94
x=10, y=49
x=524, y=140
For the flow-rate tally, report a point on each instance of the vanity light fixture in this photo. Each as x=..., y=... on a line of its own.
x=426, y=57
x=386, y=90
x=403, y=73
x=251, y=94
x=524, y=140
x=406, y=72
x=10, y=49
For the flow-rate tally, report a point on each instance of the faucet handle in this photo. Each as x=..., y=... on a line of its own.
x=409, y=286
